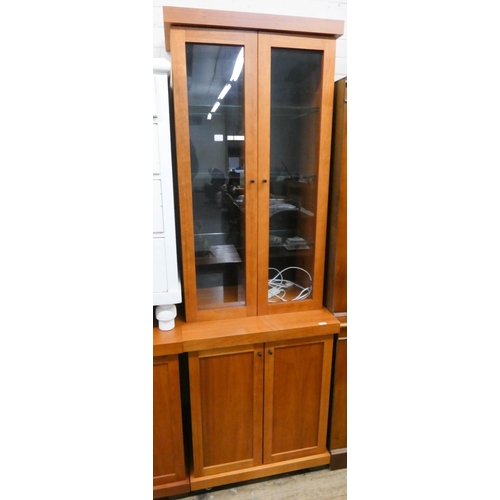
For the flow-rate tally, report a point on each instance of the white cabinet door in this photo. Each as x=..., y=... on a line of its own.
x=160, y=276
x=156, y=151
x=157, y=207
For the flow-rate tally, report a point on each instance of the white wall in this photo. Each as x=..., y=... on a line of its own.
x=330, y=9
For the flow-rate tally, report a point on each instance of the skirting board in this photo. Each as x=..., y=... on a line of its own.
x=338, y=459
x=163, y=490
x=198, y=483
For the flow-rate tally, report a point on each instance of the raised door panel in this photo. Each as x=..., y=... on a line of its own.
x=297, y=383
x=226, y=403
x=168, y=447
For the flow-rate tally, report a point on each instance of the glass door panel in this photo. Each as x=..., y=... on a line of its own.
x=216, y=86
x=296, y=83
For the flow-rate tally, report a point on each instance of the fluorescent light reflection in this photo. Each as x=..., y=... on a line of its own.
x=214, y=109
x=224, y=91
x=209, y=117
x=238, y=66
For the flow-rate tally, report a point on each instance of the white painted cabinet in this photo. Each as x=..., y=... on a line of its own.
x=166, y=284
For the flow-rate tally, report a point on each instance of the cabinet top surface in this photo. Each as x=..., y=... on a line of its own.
x=201, y=335
x=208, y=18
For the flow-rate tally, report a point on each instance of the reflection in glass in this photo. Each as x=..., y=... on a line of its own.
x=295, y=121
x=216, y=129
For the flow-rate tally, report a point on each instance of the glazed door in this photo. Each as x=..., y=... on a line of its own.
x=296, y=79
x=215, y=95
x=296, y=397
x=226, y=409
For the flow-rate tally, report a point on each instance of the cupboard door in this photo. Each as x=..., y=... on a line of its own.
x=296, y=79
x=215, y=97
x=296, y=397
x=169, y=468
x=226, y=403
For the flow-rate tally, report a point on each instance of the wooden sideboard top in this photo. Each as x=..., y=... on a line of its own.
x=202, y=335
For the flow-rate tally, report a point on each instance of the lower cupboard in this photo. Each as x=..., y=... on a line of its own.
x=169, y=468
x=259, y=409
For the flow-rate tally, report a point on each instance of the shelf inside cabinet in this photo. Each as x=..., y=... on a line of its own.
x=290, y=111
x=293, y=112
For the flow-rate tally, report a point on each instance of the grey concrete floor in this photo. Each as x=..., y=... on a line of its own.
x=314, y=484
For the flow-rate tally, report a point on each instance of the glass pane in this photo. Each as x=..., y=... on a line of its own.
x=295, y=121
x=217, y=140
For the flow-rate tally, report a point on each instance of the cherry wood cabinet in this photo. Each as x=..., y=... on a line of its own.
x=253, y=101
x=170, y=475
x=259, y=409
x=336, y=277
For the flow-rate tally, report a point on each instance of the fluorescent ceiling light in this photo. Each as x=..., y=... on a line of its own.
x=209, y=117
x=238, y=66
x=216, y=105
x=239, y=137
x=218, y=137
x=225, y=90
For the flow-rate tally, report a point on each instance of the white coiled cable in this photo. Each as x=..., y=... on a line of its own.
x=279, y=285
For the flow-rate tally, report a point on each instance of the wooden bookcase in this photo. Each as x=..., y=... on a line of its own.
x=170, y=475
x=272, y=122
x=252, y=156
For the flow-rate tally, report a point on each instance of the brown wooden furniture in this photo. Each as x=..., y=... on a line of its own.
x=337, y=442
x=259, y=362
x=169, y=466
x=282, y=107
x=336, y=278
x=259, y=390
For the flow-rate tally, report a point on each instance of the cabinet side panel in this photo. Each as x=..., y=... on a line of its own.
x=338, y=437
x=336, y=258
x=168, y=450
